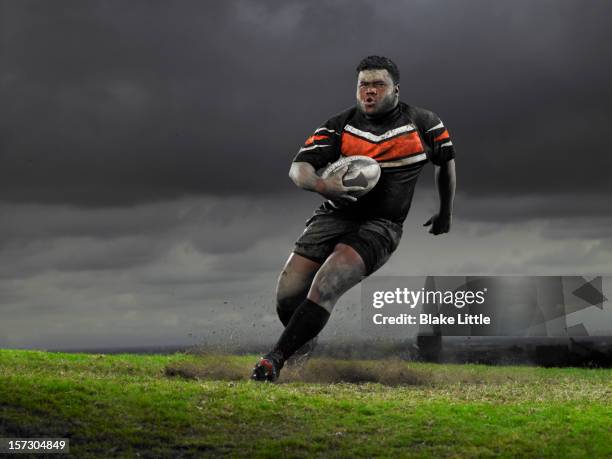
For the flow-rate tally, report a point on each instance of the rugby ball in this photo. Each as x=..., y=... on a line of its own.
x=362, y=171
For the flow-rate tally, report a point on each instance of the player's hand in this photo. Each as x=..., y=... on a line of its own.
x=334, y=189
x=440, y=224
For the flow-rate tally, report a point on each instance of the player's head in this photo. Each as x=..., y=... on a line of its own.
x=377, y=85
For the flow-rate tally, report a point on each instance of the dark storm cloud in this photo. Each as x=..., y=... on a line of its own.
x=218, y=225
x=68, y=279
x=117, y=103
x=505, y=208
x=38, y=238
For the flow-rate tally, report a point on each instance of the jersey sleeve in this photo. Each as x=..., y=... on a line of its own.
x=436, y=136
x=322, y=147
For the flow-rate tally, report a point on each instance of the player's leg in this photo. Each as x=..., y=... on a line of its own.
x=343, y=269
x=293, y=285
x=357, y=255
x=312, y=249
x=317, y=242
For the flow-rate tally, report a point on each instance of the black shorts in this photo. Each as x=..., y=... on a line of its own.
x=374, y=239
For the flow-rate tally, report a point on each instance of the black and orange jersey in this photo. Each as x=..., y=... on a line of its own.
x=402, y=141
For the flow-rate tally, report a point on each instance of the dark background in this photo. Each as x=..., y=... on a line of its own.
x=144, y=150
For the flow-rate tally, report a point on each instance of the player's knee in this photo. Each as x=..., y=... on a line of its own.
x=286, y=306
x=282, y=288
x=284, y=312
x=289, y=284
x=289, y=295
x=328, y=287
x=342, y=272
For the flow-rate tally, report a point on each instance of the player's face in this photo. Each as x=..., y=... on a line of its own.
x=376, y=92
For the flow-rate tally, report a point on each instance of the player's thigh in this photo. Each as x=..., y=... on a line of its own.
x=375, y=241
x=296, y=276
x=343, y=269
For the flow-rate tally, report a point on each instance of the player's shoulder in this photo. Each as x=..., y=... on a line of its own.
x=341, y=119
x=424, y=118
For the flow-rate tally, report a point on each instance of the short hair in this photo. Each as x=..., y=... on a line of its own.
x=380, y=62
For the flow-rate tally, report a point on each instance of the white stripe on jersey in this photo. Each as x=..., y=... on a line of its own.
x=404, y=161
x=311, y=147
x=447, y=144
x=378, y=138
x=325, y=129
x=437, y=126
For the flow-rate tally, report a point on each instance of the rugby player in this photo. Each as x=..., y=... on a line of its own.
x=348, y=239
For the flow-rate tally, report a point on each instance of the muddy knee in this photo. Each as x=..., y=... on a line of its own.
x=341, y=271
x=329, y=286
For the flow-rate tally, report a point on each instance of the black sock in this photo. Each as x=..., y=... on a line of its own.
x=306, y=323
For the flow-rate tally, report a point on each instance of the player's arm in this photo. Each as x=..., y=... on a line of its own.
x=305, y=176
x=445, y=183
x=441, y=154
x=320, y=149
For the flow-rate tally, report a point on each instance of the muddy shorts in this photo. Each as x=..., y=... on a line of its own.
x=374, y=239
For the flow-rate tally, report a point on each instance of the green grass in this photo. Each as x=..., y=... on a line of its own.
x=121, y=405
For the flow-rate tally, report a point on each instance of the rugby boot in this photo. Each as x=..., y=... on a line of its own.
x=267, y=369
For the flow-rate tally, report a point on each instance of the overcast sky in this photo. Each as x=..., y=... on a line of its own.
x=144, y=150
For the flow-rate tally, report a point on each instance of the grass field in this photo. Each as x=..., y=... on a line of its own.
x=184, y=405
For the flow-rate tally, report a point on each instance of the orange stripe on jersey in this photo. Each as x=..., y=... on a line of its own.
x=442, y=136
x=312, y=138
x=396, y=148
